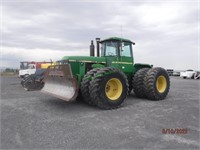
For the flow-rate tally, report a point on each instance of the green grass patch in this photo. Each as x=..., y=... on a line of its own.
x=8, y=73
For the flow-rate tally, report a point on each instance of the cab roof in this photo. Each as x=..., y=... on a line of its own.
x=117, y=39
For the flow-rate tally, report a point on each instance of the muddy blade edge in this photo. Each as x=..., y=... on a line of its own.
x=59, y=82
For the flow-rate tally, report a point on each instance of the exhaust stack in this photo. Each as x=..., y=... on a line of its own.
x=92, y=49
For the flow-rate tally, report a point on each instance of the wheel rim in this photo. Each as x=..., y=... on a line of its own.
x=113, y=89
x=161, y=84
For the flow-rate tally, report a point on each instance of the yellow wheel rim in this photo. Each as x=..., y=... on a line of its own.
x=113, y=89
x=161, y=84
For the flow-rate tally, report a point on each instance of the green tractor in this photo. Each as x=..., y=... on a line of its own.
x=106, y=80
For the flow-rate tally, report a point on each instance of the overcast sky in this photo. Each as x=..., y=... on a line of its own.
x=165, y=32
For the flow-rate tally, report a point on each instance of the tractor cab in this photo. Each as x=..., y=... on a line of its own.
x=117, y=47
x=118, y=53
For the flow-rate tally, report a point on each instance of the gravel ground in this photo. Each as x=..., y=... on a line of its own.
x=33, y=120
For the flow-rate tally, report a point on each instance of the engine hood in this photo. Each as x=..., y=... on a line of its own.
x=89, y=59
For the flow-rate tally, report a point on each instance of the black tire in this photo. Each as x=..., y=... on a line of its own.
x=22, y=82
x=138, y=82
x=156, y=84
x=28, y=83
x=85, y=86
x=193, y=76
x=23, y=79
x=99, y=85
x=130, y=89
x=197, y=75
x=39, y=85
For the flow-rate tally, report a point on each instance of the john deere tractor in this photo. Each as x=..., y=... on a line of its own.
x=106, y=80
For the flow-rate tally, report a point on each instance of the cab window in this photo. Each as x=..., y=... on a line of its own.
x=126, y=49
x=109, y=48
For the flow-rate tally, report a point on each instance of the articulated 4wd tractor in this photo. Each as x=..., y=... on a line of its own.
x=107, y=79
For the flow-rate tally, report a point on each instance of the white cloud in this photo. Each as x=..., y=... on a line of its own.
x=11, y=56
x=158, y=14
x=162, y=31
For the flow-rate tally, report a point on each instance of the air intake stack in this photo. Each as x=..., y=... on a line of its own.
x=98, y=40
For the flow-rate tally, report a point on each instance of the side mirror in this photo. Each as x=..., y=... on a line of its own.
x=122, y=46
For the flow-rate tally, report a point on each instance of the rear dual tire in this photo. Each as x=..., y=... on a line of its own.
x=156, y=84
x=151, y=83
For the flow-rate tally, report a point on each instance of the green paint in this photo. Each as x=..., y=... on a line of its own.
x=98, y=66
x=125, y=62
x=117, y=39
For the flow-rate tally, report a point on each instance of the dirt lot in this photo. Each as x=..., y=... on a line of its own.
x=33, y=120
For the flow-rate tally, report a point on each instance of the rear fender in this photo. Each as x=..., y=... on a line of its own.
x=140, y=66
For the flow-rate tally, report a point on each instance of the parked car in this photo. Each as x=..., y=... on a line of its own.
x=191, y=74
x=176, y=73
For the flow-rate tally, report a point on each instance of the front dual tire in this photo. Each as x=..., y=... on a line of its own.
x=108, y=88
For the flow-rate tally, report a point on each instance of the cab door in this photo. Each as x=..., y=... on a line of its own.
x=126, y=57
x=110, y=51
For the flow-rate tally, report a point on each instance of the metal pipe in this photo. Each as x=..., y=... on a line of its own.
x=92, y=48
x=98, y=40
